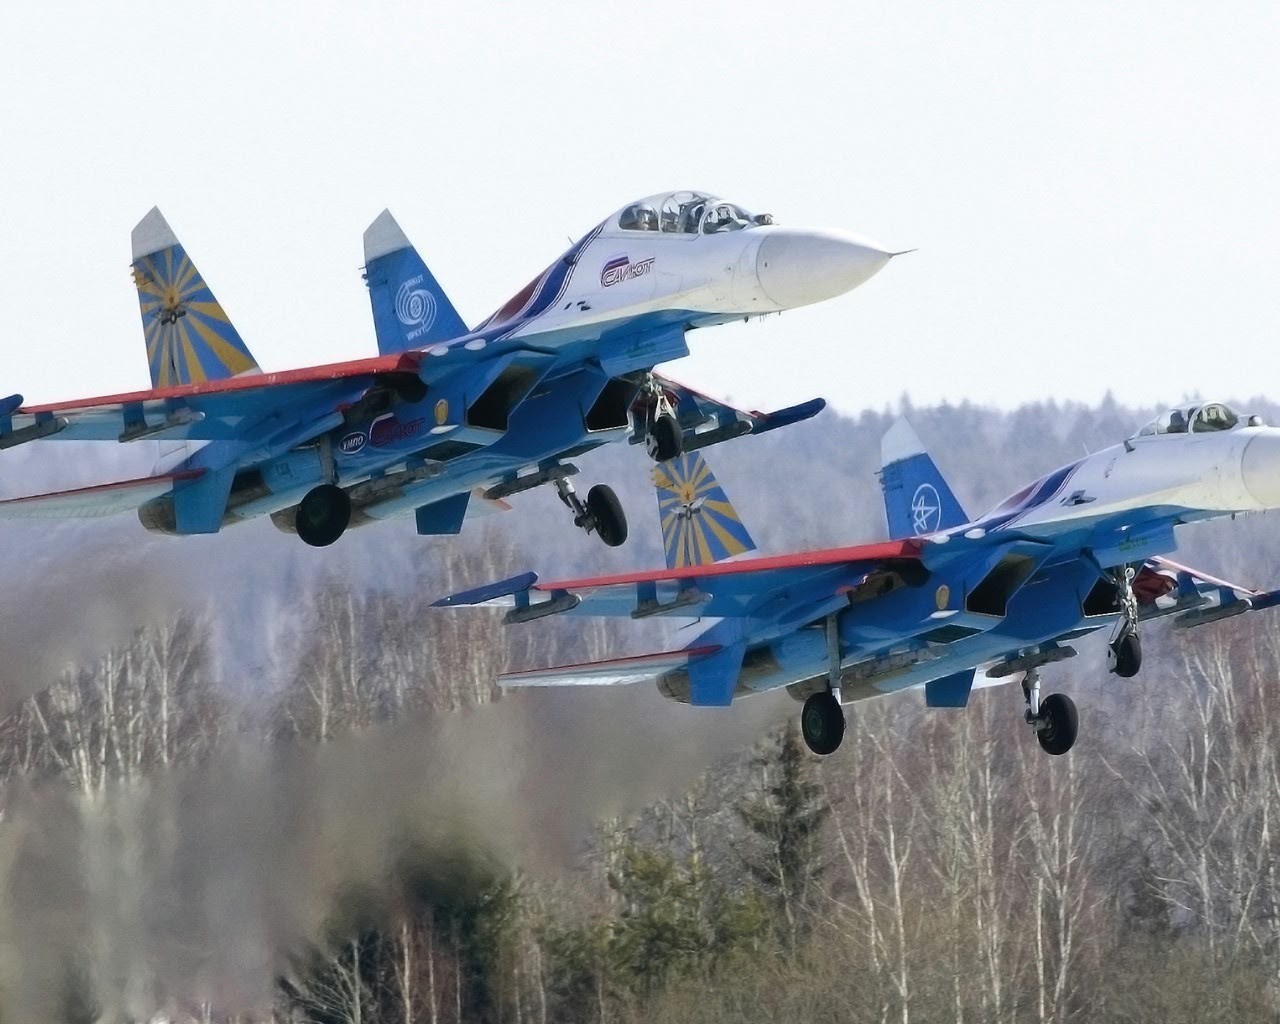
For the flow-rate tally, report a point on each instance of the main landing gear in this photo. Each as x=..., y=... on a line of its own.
x=663, y=437
x=323, y=515
x=1124, y=651
x=1054, y=719
x=601, y=513
x=822, y=722
x=822, y=718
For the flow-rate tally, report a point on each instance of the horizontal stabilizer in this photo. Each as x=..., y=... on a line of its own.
x=610, y=672
x=95, y=501
x=489, y=592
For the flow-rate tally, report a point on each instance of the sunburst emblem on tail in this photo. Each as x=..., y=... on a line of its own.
x=189, y=338
x=699, y=523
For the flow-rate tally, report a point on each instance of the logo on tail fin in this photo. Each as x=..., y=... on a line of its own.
x=415, y=307
x=699, y=524
x=926, y=510
x=189, y=337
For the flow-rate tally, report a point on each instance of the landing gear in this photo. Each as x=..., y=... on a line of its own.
x=323, y=515
x=601, y=513
x=663, y=438
x=822, y=722
x=1124, y=655
x=1054, y=719
x=1124, y=651
x=821, y=718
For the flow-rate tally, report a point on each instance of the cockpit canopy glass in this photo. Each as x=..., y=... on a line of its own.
x=687, y=213
x=1193, y=419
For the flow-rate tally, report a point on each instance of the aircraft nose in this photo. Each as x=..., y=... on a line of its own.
x=796, y=267
x=1260, y=468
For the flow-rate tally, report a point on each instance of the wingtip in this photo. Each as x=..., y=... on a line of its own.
x=900, y=442
x=152, y=234
x=383, y=236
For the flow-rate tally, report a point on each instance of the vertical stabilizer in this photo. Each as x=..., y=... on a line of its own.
x=189, y=337
x=917, y=499
x=699, y=524
x=410, y=309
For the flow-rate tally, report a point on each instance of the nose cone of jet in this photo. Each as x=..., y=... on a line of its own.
x=1260, y=468
x=797, y=267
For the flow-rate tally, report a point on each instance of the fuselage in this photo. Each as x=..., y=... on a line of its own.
x=556, y=370
x=1035, y=572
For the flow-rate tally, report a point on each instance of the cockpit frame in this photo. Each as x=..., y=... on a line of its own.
x=1197, y=418
x=686, y=213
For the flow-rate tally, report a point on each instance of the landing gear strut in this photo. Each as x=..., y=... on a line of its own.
x=663, y=438
x=821, y=718
x=1124, y=651
x=1054, y=719
x=601, y=513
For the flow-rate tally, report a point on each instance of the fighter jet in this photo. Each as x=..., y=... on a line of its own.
x=445, y=419
x=1078, y=550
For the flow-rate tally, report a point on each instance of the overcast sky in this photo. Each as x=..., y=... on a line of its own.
x=1094, y=188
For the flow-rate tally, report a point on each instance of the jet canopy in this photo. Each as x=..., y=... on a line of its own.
x=687, y=213
x=1207, y=418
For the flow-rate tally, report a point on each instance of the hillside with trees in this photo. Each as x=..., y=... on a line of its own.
x=245, y=781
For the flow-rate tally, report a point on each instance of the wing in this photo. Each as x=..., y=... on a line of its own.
x=97, y=500
x=1164, y=587
x=721, y=590
x=707, y=421
x=209, y=410
x=610, y=672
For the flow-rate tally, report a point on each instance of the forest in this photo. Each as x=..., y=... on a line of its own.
x=243, y=782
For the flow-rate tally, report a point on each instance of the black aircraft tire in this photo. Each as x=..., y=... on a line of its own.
x=1128, y=656
x=323, y=515
x=606, y=513
x=822, y=723
x=665, y=440
x=1062, y=723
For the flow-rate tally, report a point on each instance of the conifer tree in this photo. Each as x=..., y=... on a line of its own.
x=785, y=814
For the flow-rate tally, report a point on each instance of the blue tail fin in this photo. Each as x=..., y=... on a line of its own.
x=916, y=498
x=189, y=338
x=699, y=524
x=410, y=309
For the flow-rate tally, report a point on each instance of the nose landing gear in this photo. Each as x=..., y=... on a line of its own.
x=1124, y=651
x=601, y=513
x=664, y=439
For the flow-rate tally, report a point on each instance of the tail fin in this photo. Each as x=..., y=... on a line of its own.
x=410, y=309
x=189, y=338
x=917, y=499
x=699, y=524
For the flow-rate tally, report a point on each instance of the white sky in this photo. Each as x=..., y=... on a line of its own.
x=1094, y=187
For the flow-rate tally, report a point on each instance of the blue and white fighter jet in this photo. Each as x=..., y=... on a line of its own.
x=1078, y=550
x=446, y=419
